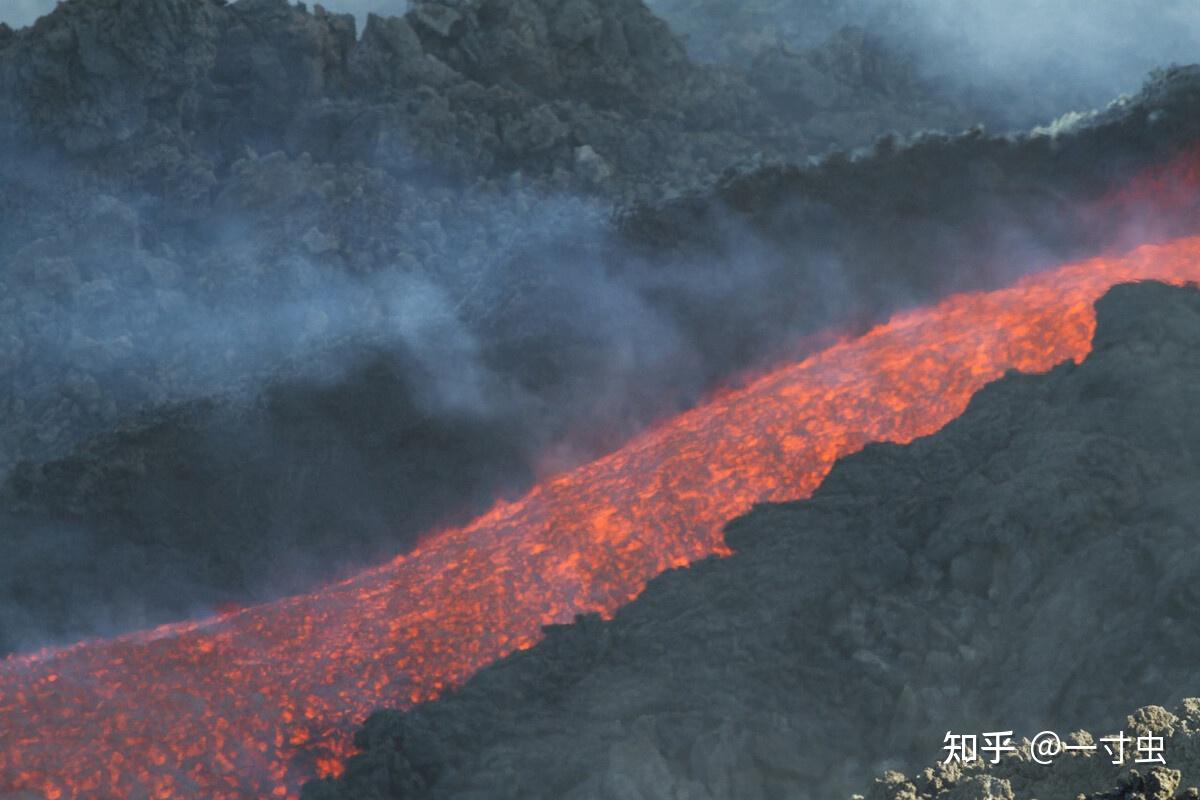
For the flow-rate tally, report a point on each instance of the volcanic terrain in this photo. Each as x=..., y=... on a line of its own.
x=1031, y=566
x=338, y=369
x=273, y=333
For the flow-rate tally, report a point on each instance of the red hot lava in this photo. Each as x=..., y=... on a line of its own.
x=252, y=703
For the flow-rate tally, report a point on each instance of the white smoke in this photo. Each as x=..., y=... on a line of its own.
x=1028, y=60
x=1093, y=49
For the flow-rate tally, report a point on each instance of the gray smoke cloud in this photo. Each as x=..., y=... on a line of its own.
x=1077, y=52
x=519, y=335
x=1024, y=60
x=351, y=410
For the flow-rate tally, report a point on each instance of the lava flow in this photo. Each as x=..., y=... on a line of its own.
x=252, y=703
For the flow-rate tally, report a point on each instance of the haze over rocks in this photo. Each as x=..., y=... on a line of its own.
x=241, y=237
x=195, y=191
x=1015, y=62
x=276, y=298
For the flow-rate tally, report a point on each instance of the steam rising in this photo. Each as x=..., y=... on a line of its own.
x=504, y=333
x=1073, y=53
x=1023, y=61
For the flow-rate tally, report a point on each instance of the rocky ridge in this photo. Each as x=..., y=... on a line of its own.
x=585, y=94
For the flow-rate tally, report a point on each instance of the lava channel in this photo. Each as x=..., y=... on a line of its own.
x=251, y=704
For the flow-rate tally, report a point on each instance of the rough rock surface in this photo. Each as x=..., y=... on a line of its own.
x=1010, y=571
x=842, y=241
x=181, y=88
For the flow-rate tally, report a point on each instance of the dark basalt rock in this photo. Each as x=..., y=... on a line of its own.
x=163, y=94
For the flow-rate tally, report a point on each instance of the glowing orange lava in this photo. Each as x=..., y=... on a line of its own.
x=253, y=702
x=250, y=704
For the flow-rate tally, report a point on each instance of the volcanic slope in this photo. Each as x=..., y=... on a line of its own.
x=1030, y=566
x=187, y=506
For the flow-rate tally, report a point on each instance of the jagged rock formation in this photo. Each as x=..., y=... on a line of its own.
x=1007, y=571
x=580, y=92
x=1016, y=179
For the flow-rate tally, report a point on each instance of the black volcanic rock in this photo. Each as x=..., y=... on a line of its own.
x=165, y=95
x=919, y=217
x=1032, y=566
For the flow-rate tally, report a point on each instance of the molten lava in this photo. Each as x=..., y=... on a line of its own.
x=252, y=703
